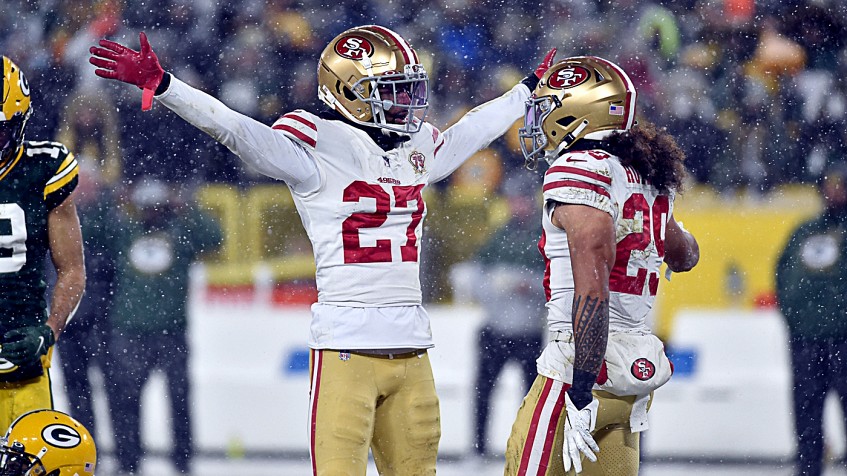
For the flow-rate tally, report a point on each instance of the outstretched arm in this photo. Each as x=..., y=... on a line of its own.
x=258, y=145
x=484, y=123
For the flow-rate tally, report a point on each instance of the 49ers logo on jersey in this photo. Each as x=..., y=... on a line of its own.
x=354, y=47
x=417, y=160
x=643, y=369
x=568, y=77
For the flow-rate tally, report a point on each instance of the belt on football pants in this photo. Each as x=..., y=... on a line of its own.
x=404, y=355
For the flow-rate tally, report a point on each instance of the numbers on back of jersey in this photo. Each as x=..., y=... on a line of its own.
x=12, y=238
x=381, y=251
x=653, y=220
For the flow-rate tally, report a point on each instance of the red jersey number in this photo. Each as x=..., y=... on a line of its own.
x=354, y=252
x=653, y=218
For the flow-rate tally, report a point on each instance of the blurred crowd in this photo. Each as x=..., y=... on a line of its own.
x=752, y=89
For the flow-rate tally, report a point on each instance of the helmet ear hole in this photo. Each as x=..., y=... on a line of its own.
x=349, y=94
x=565, y=121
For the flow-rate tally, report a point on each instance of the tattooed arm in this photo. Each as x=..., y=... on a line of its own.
x=591, y=239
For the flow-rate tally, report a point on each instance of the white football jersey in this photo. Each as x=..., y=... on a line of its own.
x=365, y=218
x=596, y=178
x=361, y=206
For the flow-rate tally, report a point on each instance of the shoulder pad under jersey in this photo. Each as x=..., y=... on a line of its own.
x=299, y=126
x=581, y=177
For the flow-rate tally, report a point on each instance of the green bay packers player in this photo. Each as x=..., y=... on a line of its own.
x=607, y=227
x=47, y=443
x=36, y=215
x=356, y=170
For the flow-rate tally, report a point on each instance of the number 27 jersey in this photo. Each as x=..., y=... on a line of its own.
x=597, y=179
x=365, y=218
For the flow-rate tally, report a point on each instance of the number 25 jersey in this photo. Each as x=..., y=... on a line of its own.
x=640, y=213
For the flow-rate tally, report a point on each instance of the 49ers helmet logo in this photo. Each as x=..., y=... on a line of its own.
x=568, y=77
x=643, y=369
x=354, y=47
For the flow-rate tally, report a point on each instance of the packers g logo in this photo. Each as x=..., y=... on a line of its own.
x=6, y=366
x=568, y=77
x=61, y=436
x=23, y=83
x=643, y=369
x=354, y=47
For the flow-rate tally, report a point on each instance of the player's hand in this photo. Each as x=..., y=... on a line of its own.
x=545, y=63
x=579, y=423
x=141, y=68
x=27, y=343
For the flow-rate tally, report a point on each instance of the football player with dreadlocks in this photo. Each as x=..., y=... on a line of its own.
x=356, y=170
x=36, y=215
x=607, y=227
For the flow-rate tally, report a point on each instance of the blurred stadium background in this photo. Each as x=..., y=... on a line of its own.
x=752, y=89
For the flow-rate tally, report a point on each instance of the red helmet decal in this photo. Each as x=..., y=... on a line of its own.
x=643, y=369
x=354, y=47
x=567, y=77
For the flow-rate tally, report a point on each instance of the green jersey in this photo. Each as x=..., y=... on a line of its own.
x=32, y=183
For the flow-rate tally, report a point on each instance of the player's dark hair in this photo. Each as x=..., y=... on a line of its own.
x=652, y=152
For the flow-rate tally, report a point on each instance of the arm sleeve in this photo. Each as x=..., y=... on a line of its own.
x=257, y=145
x=476, y=129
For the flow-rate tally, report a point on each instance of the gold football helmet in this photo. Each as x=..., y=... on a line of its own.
x=371, y=76
x=15, y=108
x=580, y=97
x=47, y=443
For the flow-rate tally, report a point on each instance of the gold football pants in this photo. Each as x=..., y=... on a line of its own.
x=535, y=444
x=17, y=398
x=383, y=402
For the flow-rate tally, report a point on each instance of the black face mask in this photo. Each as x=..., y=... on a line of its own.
x=11, y=136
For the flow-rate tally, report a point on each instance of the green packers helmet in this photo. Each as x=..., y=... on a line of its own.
x=47, y=443
x=15, y=108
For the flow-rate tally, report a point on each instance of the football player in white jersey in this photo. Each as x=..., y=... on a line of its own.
x=607, y=227
x=356, y=171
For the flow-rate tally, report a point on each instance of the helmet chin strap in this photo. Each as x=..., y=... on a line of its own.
x=570, y=139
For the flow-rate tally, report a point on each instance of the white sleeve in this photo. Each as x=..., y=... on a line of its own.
x=476, y=129
x=258, y=145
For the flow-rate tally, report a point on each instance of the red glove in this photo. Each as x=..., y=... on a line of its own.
x=116, y=61
x=545, y=64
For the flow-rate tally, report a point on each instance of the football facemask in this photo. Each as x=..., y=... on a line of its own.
x=581, y=97
x=15, y=108
x=371, y=76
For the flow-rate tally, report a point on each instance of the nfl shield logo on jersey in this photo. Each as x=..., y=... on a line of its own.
x=345, y=356
x=417, y=160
